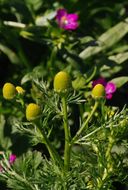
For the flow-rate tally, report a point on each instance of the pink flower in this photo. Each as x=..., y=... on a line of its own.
x=67, y=21
x=12, y=158
x=110, y=87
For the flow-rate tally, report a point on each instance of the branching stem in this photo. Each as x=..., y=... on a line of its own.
x=53, y=153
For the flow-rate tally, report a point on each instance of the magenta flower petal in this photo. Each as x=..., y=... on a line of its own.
x=109, y=96
x=67, y=21
x=73, y=17
x=60, y=14
x=110, y=88
x=100, y=80
x=12, y=158
x=72, y=23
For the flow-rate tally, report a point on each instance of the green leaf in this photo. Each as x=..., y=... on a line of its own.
x=37, y=34
x=86, y=39
x=36, y=4
x=43, y=20
x=119, y=58
x=81, y=80
x=79, y=83
x=119, y=49
x=26, y=78
x=100, y=9
x=37, y=72
x=10, y=54
x=33, y=158
x=106, y=40
x=119, y=81
x=5, y=141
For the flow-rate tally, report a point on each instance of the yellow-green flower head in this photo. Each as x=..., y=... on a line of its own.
x=9, y=91
x=33, y=111
x=20, y=90
x=98, y=91
x=62, y=82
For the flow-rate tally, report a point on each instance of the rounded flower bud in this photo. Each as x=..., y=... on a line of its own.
x=62, y=82
x=32, y=111
x=9, y=91
x=20, y=90
x=98, y=91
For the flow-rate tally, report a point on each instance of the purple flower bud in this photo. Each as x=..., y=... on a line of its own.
x=100, y=80
x=12, y=158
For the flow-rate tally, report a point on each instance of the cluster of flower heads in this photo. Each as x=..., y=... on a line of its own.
x=62, y=83
x=110, y=87
x=32, y=110
x=67, y=21
x=10, y=91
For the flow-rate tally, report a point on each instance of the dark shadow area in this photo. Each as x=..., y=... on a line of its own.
x=119, y=186
x=20, y=144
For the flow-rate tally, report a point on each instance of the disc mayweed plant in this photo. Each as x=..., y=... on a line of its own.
x=88, y=157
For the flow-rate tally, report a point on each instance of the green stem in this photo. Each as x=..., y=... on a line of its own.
x=52, y=57
x=109, y=164
x=86, y=122
x=67, y=150
x=54, y=155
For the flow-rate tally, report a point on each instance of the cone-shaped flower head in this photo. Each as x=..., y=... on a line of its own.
x=32, y=111
x=20, y=90
x=62, y=82
x=9, y=91
x=98, y=91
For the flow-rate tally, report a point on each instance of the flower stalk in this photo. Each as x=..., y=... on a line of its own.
x=85, y=123
x=109, y=162
x=53, y=153
x=67, y=150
